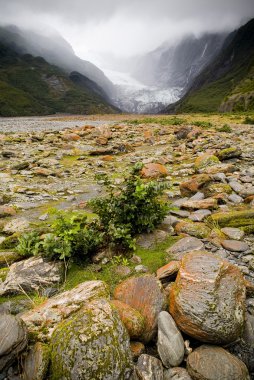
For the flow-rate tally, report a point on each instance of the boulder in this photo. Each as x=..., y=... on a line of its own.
x=132, y=319
x=195, y=184
x=154, y=171
x=207, y=300
x=215, y=363
x=149, y=368
x=36, y=362
x=13, y=339
x=170, y=341
x=42, y=320
x=234, y=245
x=204, y=161
x=146, y=295
x=31, y=275
x=93, y=344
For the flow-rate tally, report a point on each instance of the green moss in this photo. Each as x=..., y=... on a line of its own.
x=241, y=219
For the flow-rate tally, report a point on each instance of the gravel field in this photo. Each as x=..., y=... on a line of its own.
x=42, y=123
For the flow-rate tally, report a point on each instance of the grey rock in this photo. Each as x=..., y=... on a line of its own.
x=185, y=245
x=149, y=368
x=171, y=220
x=233, y=233
x=176, y=373
x=17, y=224
x=36, y=363
x=199, y=215
x=234, y=246
x=170, y=341
x=181, y=213
x=13, y=338
x=234, y=198
x=148, y=240
x=31, y=275
x=141, y=269
x=236, y=186
x=197, y=197
x=96, y=345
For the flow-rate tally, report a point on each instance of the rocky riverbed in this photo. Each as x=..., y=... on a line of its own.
x=190, y=318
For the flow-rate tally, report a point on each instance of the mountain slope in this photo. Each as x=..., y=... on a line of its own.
x=227, y=83
x=177, y=65
x=31, y=86
x=57, y=51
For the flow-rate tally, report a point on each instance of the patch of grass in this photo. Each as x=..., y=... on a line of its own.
x=248, y=120
x=158, y=120
x=203, y=124
x=17, y=297
x=225, y=128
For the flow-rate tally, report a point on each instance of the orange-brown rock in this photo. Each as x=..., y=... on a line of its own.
x=137, y=349
x=146, y=295
x=148, y=137
x=102, y=140
x=107, y=158
x=249, y=288
x=195, y=184
x=215, y=363
x=70, y=137
x=208, y=203
x=154, y=171
x=168, y=270
x=131, y=318
x=7, y=211
x=207, y=300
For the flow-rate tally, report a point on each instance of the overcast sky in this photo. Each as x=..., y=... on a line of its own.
x=125, y=27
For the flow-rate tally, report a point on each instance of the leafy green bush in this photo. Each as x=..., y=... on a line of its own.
x=130, y=210
x=225, y=128
x=71, y=236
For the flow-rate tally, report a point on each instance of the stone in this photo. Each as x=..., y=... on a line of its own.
x=36, y=363
x=228, y=153
x=195, y=184
x=137, y=349
x=185, y=245
x=176, y=373
x=170, y=342
x=241, y=219
x=154, y=171
x=199, y=215
x=197, y=197
x=133, y=321
x=7, y=211
x=149, y=368
x=198, y=230
x=236, y=186
x=17, y=224
x=7, y=258
x=148, y=240
x=168, y=271
x=207, y=300
x=234, y=245
x=141, y=269
x=122, y=270
x=42, y=320
x=215, y=363
x=204, y=161
x=13, y=339
x=31, y=275
x=144, y=294
x=93, y=344
x=234, y=198
x=233, y=233
x=208, y=203
x=181, y=213
x=217, y=188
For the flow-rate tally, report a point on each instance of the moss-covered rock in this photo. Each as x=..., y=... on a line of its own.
x=198, y=230
x=36, y=363
x=93, y=344
x=204, y=161
x=217, y=188
x=8, y=257
x=232, y=152
x=241, y=219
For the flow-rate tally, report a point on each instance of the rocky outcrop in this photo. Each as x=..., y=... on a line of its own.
x=93, y=344
x=199, y=303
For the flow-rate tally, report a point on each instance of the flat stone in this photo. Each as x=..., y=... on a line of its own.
x=199, y=215
x=176, y=373
x=197, y=197
x=233, y=233
x=235, y=198
x=146, y=295
x=17, y=224
x=13, y=338
x=215, y=363
x=199, y=303
x=170, y=342
x=168, y=270
x=31, y=275
x=150, y=239
x=185, y=245
x=236, y=186
x=208, y=203
x=149, y=368
x=181, y=213
x=234, y=246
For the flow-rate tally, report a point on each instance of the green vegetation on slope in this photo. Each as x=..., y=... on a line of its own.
x=31, y=86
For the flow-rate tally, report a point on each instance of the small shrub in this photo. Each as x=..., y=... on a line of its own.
x=225, y=128
x=29, y=244
x=133, y=209
x=203, y=124
x=248, y=120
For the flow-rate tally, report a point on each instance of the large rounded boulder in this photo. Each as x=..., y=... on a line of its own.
x=92, y=344
x=207, y=300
